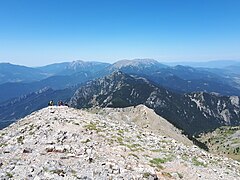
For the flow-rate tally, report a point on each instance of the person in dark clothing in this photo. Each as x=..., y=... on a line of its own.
x=51, y=103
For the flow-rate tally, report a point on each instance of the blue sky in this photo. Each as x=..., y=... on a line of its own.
x=45, y=31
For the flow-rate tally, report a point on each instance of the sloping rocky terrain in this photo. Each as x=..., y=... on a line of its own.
x=66, y=143
x=224, y=140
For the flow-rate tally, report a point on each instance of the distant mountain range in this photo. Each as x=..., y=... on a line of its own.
x=194, y=112
x=68, y=68
x=152, y=80
x=220, y=64
x=16, y=73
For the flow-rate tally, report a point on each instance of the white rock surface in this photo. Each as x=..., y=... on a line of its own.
x=65, y=143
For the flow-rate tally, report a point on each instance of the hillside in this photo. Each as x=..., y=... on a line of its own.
x=66, y=143
x=224, y=140
x=146, y=118
x=194, y=113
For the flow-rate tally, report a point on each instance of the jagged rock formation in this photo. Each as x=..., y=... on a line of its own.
x=194, y=113
x=66, y=143
x=224, y=108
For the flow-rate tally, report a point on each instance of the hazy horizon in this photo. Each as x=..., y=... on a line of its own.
x=112, y=62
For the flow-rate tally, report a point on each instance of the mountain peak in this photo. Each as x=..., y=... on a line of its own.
x=66, y=143
x=140, y=63
x=116, y=74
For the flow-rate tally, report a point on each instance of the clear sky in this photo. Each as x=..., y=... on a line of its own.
x=38, y=32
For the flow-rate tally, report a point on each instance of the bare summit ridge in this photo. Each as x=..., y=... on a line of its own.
x=66, y=143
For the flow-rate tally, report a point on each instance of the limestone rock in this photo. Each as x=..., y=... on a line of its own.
x=104, y=144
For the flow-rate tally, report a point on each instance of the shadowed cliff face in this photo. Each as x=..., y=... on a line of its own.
x=66, y=143
x=194, y=113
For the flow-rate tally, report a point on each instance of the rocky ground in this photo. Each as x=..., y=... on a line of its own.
x=65, y=143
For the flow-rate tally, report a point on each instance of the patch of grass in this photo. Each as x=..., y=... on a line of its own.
x=74, y=173
x=111, y=141
x=3, y=144
x=134, y=155
x=120, y=140
x=159, y=166
x=167, y=174
x=159, y=160
x=9, y=175
x=31, y=127
x=185, y=157
x=3, y=134
x=146, y=155
x=133, y=146
x=31, y=133
x=198, y=163
x=20, y=139
x=120, y=131
x=45, y=169
x=180, y=175
x=101, y=135
x=92, y=126
x=156, y=150
x=58, y=171
x=156, y=162
x=139, y=137
x=146, y=175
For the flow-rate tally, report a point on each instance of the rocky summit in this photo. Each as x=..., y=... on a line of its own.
x=128, y=143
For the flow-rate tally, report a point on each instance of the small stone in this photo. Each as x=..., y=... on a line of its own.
x=50, y=148
x=116, y=171
x=71, y=155
x=64, y=157
x=90, y=160
x=89, y=151
x=37, y=178
x=27, y=150
x=60, y=149
x=128, y=167
x=31, y=169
